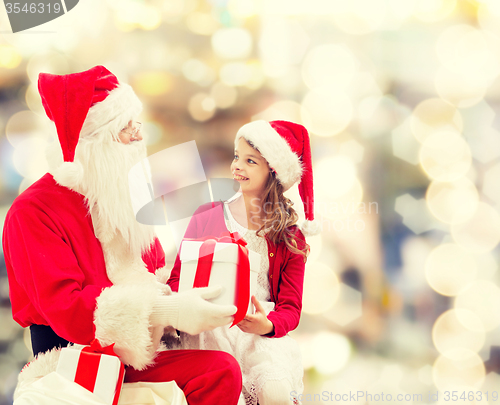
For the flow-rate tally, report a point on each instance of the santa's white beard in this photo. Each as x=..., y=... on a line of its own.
x=105, y=185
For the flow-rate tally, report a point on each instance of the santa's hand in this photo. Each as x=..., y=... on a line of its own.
x=190, y=312
x=257, y=323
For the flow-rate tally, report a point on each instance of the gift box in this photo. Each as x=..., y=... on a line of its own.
x=95, y=368
x=225, y=270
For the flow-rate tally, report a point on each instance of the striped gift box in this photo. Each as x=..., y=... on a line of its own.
x=95, y=368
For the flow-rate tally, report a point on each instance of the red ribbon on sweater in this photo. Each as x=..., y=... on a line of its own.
x=88, y=366
x=204, y=269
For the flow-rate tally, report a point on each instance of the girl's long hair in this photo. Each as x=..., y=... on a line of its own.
x=279, y=216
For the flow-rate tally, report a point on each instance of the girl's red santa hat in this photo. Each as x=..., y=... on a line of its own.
x=286, y=147
x=86, y=105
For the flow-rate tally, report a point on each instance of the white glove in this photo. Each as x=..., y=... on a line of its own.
x=190, y=312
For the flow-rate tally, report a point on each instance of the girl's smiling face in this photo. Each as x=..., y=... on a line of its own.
x=249, y=168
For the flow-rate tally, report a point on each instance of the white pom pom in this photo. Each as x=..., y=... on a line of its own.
x=70, y=175
x=311, y=228
x=162, y=274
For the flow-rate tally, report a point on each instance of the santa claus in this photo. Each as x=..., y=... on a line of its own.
x=81, y=267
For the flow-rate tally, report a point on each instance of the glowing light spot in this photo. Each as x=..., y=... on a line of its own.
x=445, y=156
x=480, y=233
x=434, y=10
x=459, y=89
x=457, y=368
x=29, y=157
x=449, y=333
x=329, y=65
x=198, y=72
x=330, y=352
x=153, y=83
x=449, y=270
x=202, y=107
x=242, y=8
x=9, y=57
x=232, y=43
x=452, y=202
x=482, y=298
x=201, y=23
x=235, y=74
x=326, y=113
x=282, y=110
x=225, y=96
x=434, y=115
x=321, y=287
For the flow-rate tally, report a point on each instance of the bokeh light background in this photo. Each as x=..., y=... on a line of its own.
x=400, y=97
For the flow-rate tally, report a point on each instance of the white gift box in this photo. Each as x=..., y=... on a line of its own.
x=224, y=270
x=106, y=372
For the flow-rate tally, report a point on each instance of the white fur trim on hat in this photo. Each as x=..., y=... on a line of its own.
x=311, y=228
x=274, y=149
x=122, y=317
x=114, y=112
x=70, y=175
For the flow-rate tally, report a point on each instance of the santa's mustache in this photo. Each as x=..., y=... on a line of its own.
x=107, y=188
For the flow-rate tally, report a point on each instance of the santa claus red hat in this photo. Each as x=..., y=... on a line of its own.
x=85, y=104
x=286, y=147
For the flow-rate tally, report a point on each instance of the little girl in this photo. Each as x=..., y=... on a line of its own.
x=270, y=157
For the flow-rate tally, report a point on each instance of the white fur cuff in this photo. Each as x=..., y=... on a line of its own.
x=122, y=317
x=43, y=364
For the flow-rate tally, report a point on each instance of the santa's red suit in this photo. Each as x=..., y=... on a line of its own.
x=55, y=263
x=67, y=272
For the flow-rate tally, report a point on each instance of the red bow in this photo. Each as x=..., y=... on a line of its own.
x=88, y=365
x=95, y=347
x=204, y=269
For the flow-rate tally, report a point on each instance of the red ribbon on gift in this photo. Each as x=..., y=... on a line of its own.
x=204, y=269
x=88, y=366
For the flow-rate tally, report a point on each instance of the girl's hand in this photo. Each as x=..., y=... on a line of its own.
x=258, y=322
